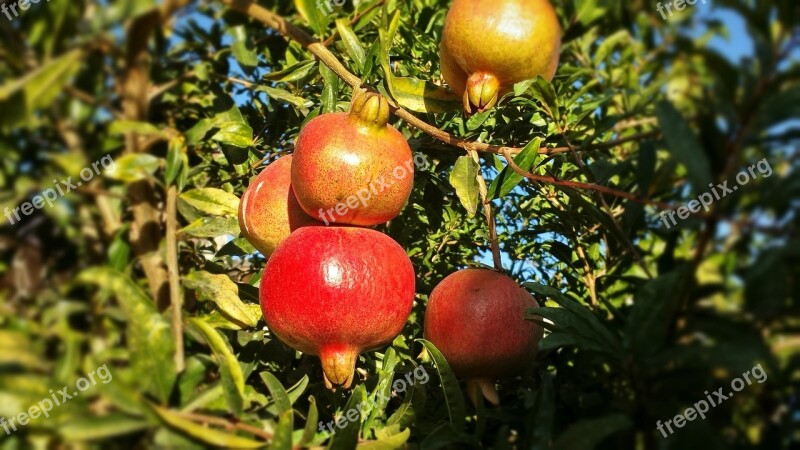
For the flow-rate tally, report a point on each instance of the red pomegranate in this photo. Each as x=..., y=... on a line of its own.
x=488, y=45
x=353, y=168
x=336, y=292
x=269, y=211
x=476, y=318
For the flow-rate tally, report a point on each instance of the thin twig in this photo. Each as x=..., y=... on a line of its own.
x=483, y=192
x=211, y=420
x=174, y=276
x=585, y=186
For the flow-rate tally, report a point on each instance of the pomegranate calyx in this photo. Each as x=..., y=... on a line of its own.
x=482, y=387
x=338, y=366
x=482, y=92
x=371, y=109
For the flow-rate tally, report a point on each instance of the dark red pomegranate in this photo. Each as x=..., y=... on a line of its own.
x=336, y=292
x=476, y=318
x=268, y=211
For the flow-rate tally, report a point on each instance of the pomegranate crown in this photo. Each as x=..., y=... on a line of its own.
x=370, y=108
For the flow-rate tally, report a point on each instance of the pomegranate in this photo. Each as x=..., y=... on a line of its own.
x=336, y=292
x=269, y=210
x=353, y=168
x=476, y=318
x=488, y=45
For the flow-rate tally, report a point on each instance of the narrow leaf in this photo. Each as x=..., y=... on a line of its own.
x=229, y=368
x=213, y=201
x=424, y=97
x=464, y=179
x=204, y=434
x=508, y=179
x=224, y=292
x=452, y=392
x=684, y=144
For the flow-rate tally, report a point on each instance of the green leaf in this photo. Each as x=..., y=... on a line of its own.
x=209, y=227
x=294, y=392
x=383, y=389
x=464, y=179
x=224, y=292
x=229, y=368
x=386, y=36
x=587, y=434
x=293, y=72
x=134, y=167
x=279, y=395
x=242, y=50
x=543, y=90
x=284, y=96
x=654, y=308
x=282, y=439
x=351, y=43
x=508, y=179
x=237, y=134
x=542, y=415
x=684, y=144
x=19, y=98
x=392, y=442
x=204, y=434
x=149, y=335
x=452, y=392
x=101, y=427
x=213, y=201
x=119, y=127
x=347, y=438
x=577, y=320
x=423, y=96
x=310, y=429
x=316, y=12
x=177, y=161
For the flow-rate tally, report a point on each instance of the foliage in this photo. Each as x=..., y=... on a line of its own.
x=192, y=99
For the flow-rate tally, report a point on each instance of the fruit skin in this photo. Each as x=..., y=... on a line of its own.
x=491, y=44
x=476, y=318
x=336, y=292
x=339, y=156
x=269, y=211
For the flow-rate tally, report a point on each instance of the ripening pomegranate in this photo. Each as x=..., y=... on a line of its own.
x=269, y=211
x=336, y=292
x=488, y=45
x=476, y=318
x=353, y=168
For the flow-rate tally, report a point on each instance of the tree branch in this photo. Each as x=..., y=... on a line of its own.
x=585, y=186
x=173, y=271
x=487, y=211
x=322, y=53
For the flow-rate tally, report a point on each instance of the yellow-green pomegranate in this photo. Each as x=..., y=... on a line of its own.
x=488, y=45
